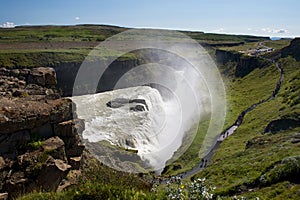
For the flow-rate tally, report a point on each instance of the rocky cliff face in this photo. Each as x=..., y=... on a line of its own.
x=245, y=64
x=293, y=49
x=39, y=142
x=66, y=74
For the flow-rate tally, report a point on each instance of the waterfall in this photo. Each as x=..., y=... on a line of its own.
x=149, y=131
x=157, y=127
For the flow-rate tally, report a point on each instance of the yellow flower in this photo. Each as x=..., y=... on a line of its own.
x=182, y=186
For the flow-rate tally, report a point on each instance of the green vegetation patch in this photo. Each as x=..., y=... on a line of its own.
x=249, y=155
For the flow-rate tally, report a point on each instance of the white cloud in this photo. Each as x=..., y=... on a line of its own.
x=279, y=31
x=217, y=30
x=8, y=25
x=77, y=18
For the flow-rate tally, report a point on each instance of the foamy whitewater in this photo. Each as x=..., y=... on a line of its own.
x=156, y=133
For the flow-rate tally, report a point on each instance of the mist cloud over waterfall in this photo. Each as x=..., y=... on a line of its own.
x=151, y=115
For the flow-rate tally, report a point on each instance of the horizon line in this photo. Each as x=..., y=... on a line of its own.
x=158, y=28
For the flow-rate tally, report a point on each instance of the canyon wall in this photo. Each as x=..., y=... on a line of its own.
x=244, y=64
x=67, y=72
x=39, y=141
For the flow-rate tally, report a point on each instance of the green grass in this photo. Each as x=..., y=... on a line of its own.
x=243, y=47
x=33, y=58
x=95, y=33
x=243, y=92
x=234, y=166
x=23, y=46
x=223, y=37
x=57, y=33
x=100, y=182
x=276, y=44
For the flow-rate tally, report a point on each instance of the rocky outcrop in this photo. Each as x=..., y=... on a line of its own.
x=286, y=170
x=39, y=132
x=55, y=170
x=135, y=104
x=37, y=82
x=281, y=124
x=137, y=108
x=245, y=64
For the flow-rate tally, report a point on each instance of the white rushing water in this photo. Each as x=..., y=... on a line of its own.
x=156, y=132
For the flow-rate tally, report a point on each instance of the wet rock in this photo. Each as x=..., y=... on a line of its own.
x=129, y=143
x=137, y=108
x=139, y=101
x=119, y=102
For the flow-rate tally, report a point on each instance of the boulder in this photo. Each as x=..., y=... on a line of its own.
x=52, y=173
x=65, y=129
x=119, y=102
x=55, y=147
x=68, y=131
x=137, y=108
x=43, y=76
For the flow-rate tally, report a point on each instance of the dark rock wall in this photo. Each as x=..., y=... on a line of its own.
x=245, y=64
x=293, y=49
x=67, y=72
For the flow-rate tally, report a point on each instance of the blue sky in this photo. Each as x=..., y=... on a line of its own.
x=256, y=17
